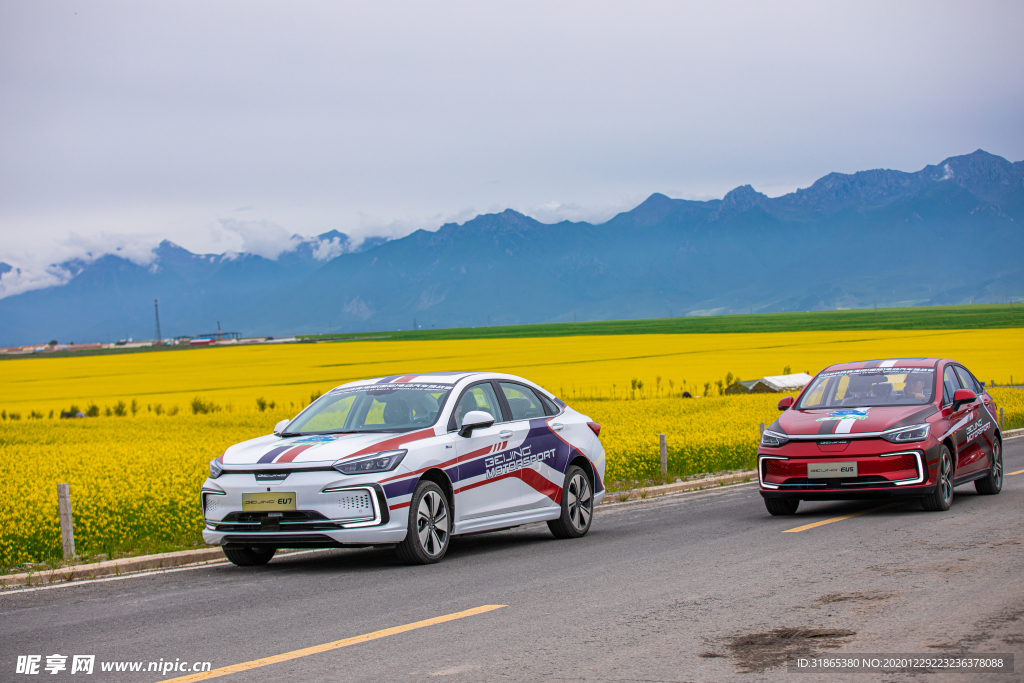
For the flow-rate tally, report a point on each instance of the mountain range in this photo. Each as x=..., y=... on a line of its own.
x=949, y=233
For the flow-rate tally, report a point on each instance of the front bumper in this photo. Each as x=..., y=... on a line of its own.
x=346, y=513
x=883, y=471
x=851, y=494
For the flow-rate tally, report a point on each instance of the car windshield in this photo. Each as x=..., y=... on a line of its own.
x=372, y=408
x=870, y=387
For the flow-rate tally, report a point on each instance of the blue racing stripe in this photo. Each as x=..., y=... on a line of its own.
x=269, y=457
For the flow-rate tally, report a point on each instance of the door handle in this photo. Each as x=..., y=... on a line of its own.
x=557, y=426
x=505, y=435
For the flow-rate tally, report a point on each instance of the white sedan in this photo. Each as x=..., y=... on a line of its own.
x=409, y=461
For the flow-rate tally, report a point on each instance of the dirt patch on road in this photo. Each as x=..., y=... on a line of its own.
x=756, y=652
x=863, y=597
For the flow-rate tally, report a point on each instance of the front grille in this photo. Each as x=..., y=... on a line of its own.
x=868, y=482
x=213, y=501
x=903, y=462
x=293, y=520
x=288, y=516
x=355, y=503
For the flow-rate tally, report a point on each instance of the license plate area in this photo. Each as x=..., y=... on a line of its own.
x=831, y=470
x=268, y=501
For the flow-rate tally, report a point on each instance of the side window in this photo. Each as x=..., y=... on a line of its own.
x=949, y=384
x=522, y=401
x=478, y=397
x=966, y=379
x=549, y=407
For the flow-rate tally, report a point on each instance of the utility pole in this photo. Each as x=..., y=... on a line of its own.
x=664, y=454
x=67, y=527
x=218, y=330
x=156, y=305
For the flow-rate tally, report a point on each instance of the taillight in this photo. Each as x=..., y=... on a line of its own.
x=594, y=427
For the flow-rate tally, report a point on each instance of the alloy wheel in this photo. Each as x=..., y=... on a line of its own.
x=580, y=502
x=946, y=478
x=432, y=523
x=997, y=465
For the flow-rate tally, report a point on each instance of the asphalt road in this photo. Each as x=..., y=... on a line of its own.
x=697, y=587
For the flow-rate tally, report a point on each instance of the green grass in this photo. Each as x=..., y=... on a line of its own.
x=980, y=316
x=967, y=317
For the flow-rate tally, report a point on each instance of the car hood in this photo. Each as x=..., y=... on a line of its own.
x=850, y=420
x=273, y=451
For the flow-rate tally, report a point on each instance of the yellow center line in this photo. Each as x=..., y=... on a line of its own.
x=355, y=640
x=1017, y=472
x=840, y=518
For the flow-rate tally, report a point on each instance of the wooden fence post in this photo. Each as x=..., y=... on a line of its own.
x=67, y=530
x=664, y=456
x=761, y=427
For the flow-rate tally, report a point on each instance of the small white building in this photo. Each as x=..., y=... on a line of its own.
x=780, y=383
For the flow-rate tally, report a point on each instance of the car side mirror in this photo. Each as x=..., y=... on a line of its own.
x=280, y=426
x=962, y=396
x=785, y=403
x=475, y=419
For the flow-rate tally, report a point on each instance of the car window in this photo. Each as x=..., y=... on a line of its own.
x=478, y=397
x=549, y=407
x=866, y=387
x=522, y=401
x=949, y=384
x=966, y=379
x=333, y=416
x=372, y=408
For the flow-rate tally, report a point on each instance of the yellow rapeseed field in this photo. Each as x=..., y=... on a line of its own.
x=572, y=367
x=134, y=476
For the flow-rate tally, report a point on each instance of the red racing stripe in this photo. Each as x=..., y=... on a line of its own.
x=539, y=482
x=400, y=505
x=290, y=455
x=487, y=481
x=443, y=465
x=405, y=378
x=395, y=442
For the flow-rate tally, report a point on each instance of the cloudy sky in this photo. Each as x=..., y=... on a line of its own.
x=232, y=125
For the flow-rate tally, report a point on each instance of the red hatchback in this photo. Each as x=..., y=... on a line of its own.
x=916, y=427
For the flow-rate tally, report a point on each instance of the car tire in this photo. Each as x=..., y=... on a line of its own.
x=249, y=557
x=781, y=506
x=942, y=497
x=430, y=526
x=577, y=506
x=993, y=483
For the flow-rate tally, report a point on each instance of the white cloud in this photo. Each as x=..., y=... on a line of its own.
x=19, y=281
x=49, y=267
x=325, y=250
x=262, y=238
x=371, y=226
x=556, y=212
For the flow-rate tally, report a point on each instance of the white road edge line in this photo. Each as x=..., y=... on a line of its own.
x=135, y=575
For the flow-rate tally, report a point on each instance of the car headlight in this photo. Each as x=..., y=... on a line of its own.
x=907, y=434
x=216, y=469
x=375, y=462
x=773, y=439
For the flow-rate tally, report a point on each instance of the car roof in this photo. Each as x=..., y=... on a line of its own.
x=446, y=378
x=418, y=377
x=887, y=363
